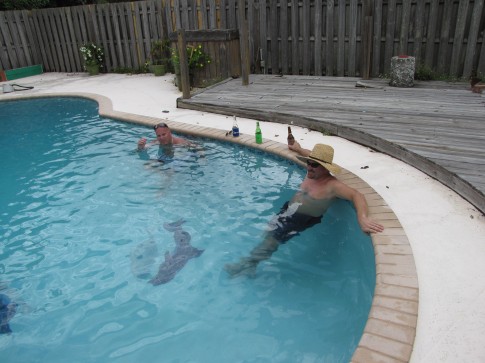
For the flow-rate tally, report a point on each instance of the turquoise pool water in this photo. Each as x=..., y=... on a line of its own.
x=76, y=202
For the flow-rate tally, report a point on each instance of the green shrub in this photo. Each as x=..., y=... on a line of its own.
x=424, y=73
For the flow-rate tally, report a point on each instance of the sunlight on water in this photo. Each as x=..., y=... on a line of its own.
x=77, y=201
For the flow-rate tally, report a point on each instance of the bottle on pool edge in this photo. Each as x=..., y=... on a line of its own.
x=291, y=138
x=235, y=127
x=259, y=135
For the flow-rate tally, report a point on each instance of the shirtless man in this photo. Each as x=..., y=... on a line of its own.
x=307, y=207
x=165, y=141
x=164, y=138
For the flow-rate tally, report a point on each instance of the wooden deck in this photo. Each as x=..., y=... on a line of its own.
x=437, y=127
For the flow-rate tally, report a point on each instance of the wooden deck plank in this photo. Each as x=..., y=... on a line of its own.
x=438, y=127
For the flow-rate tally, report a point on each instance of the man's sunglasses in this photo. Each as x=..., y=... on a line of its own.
x=312, y=164
x=162, y=124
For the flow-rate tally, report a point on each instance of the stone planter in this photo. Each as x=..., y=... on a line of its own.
x=402, y=71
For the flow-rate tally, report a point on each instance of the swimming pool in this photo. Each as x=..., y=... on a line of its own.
x=78, y=202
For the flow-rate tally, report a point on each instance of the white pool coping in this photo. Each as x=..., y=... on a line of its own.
x=446, y=234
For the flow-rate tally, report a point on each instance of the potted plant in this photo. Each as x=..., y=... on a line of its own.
x=159, y=55
x=93, y=56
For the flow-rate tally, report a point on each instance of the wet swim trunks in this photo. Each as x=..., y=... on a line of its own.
x=285, y=226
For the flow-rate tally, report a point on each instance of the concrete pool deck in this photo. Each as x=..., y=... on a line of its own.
x=445, y=232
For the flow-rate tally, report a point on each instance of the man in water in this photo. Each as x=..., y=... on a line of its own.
x=165, y=140
x=306, y=208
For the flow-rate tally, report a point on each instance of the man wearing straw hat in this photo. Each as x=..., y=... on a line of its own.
x=306, y=208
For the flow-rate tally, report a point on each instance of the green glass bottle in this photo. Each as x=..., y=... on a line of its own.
x=259, y=135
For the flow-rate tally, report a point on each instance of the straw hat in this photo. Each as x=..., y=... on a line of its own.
x=323, y=155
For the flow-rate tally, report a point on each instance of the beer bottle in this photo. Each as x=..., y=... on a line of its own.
x=259, y=135
x=291, y=138
x=235, y=128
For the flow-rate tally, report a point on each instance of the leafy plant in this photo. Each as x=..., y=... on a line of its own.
x=196, y=57
x=160, y=52
x=92, y=54
x=424, y=73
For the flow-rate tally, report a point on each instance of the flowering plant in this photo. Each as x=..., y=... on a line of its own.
x=92, y=54
x=195, y=55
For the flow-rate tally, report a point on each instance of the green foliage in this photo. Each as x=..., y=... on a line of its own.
x=424, y=73
x=24, y=4
x=197, y=59
x=40, y=4
x=92, y=54
x=160, y=52
x=127, y=70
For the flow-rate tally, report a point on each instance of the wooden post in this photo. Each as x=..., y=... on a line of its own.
x=184, y=64
x=244, y=42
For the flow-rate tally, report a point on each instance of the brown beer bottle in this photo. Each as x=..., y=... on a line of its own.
x=291, y=138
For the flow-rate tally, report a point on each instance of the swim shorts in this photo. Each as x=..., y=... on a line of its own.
x=286, y=226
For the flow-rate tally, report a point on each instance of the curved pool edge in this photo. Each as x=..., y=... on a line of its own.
x=391, y=326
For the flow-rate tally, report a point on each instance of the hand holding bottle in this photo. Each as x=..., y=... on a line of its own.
x=142, y=143
x=291, y=138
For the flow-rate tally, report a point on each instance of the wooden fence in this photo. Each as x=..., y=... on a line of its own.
x=310, y=37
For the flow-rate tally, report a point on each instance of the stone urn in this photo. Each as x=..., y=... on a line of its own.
x=402, y=71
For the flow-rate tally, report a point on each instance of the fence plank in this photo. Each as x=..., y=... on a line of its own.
x=329, y=38
x=340, y=41
x=46, y=44
x=284, y=46
x=66, y=43
x=53, y=38
x=76, y=57
x=432, y=28
x=405, y=23
x=273, y=33
x=295, y=59
x=306, y=37
x=141, y=48
x=16, y=43
x=212, y=15
x=352, y=37
x=119, y=59
x=9, y=58
x=111, y=59
x=185, y=14
x=223, y=14
x=254, y=31
x=456, y=55
x=263, y=37
x=376, y=39
x=193, y=17
x=390, y=29
x=481, y=60
x=418, y=33
x=145, y=31
x=443, y=53
x=24, y=49
x=32, y=38
x=62, y=43
x=202, y=18
x=231, y=15
x=472, y=38
x=318, y=38
x=329, y=54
